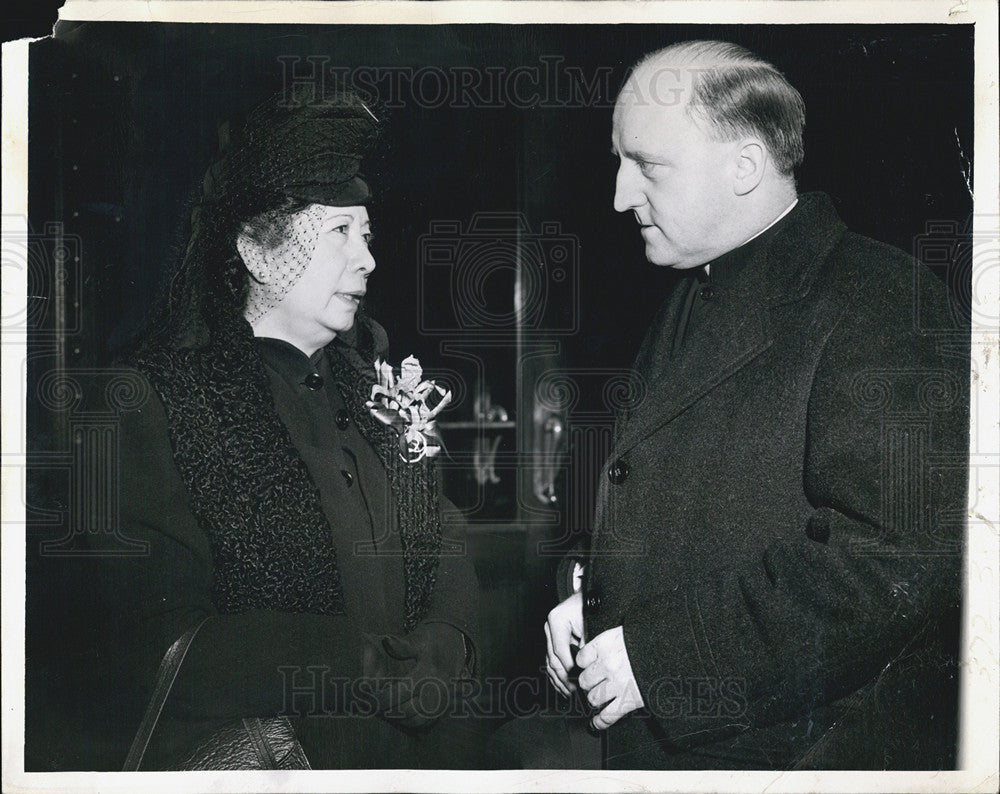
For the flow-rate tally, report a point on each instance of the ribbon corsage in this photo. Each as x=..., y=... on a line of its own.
x=409, y=404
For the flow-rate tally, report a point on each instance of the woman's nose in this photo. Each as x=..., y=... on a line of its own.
x=363, y=259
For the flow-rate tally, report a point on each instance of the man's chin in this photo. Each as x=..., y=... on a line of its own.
x=655, y=255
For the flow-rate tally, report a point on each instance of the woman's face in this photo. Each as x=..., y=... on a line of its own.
x=324, y=299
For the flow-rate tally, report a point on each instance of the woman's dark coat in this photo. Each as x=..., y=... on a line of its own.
x=263, y=661
x=780, y=524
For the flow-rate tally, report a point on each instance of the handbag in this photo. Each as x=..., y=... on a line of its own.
x=247, y=743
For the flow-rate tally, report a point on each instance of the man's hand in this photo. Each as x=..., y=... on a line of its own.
x=606, y=675
x=563, y=629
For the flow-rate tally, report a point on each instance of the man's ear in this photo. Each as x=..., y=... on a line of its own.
x=253, y=256
x=751, y=162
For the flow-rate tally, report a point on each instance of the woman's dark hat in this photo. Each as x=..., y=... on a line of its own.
x=300, y=144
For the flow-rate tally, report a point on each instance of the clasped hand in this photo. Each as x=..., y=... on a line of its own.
x=605, y=670
x=414, y=676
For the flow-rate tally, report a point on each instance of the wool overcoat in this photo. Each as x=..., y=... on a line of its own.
x=780, y=524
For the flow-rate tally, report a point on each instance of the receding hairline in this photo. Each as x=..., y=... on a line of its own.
x=704, y=54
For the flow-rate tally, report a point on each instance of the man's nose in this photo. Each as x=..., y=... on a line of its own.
x=628, y=196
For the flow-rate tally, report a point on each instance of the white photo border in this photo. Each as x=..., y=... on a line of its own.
x=980, y=741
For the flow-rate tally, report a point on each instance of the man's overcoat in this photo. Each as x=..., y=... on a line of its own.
x=779, y=526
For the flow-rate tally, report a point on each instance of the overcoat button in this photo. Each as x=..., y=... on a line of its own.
x=348, y=477
x=313, y=381
x=618, y=471
x=592, y=601
x=343, y=420
x=708, y=292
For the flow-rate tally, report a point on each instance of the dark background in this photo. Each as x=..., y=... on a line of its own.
x=123, y=123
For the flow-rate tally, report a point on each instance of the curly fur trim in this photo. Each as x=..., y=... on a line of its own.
x=251, y=492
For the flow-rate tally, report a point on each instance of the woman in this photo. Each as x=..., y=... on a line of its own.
x=277, y=509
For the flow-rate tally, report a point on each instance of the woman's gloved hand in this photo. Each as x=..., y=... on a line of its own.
x=420, y=671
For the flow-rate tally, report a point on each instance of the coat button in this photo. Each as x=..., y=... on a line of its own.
x=818, y=527
x=618, y=472
x=592, y=601
x=313, y=381
x=348, y=477
x=708, y=292
x=343, y=420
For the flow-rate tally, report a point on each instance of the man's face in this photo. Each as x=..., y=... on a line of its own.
x=672, y=176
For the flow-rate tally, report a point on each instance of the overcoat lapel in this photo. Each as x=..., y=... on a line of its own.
x=740, y=328
x=655, y=346
x=739, y=331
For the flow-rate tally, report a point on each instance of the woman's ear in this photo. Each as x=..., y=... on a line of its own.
x=253, y=256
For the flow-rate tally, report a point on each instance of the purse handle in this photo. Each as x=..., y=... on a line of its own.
x=165, y=677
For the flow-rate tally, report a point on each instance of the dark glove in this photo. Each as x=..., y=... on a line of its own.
x=432, y=657
x=382, y=674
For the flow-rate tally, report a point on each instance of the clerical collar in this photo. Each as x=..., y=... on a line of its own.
x=723, y=270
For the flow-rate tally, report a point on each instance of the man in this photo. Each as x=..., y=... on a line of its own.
x=775, y=561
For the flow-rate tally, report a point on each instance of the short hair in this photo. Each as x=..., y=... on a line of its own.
x=738, y=93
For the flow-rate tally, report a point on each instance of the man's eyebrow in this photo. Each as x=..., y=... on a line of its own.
x=638, y=154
